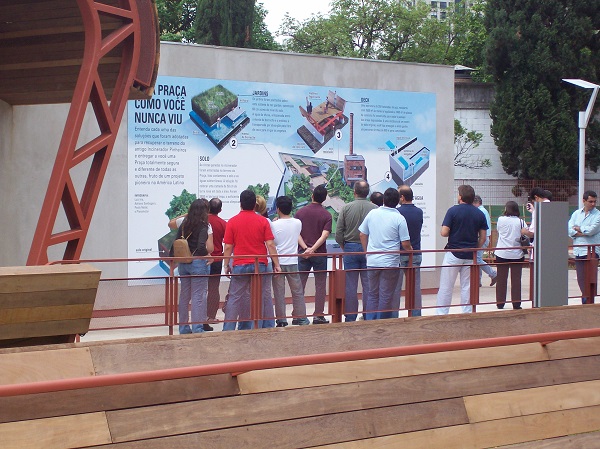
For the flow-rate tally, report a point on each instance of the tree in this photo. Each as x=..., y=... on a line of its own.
x=261, y=38
x=176, y=18
x=224, y=22
x=464, y=143
x=180, y=204
x=261, y=189
x=532, y=46
x=299, y=189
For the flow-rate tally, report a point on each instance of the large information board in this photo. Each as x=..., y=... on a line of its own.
x=214, y=138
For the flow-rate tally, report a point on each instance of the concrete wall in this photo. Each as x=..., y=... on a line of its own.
x=28, y=153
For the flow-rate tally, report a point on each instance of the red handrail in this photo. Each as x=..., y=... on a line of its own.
x=235, y=368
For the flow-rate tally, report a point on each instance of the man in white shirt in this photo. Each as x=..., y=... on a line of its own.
x=384, y=230
x=286, y=231
x=584, y=229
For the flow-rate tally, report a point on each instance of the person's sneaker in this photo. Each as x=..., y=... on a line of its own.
x=300, y=321
x=320, y=320
x=493, y=281
x=281, y=323
x=185, y=330
x=207, y=327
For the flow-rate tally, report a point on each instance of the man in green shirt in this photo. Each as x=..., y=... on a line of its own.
x=348, y=237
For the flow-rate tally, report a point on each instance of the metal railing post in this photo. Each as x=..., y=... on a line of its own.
x=410, y=290
x=337, y=289
x=474, y=290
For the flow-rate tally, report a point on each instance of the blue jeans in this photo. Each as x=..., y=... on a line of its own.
x=417, y=258
x=193, y=289
x=238, y=305
x=483, y=266
x=382, y=284
x=355, y=266
x=319, y=265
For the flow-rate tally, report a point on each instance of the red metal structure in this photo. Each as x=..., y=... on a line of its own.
x=102, y=53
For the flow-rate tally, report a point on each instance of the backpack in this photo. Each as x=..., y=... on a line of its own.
x=181, y=249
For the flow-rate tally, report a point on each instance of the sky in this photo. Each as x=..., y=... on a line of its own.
x=298, y=9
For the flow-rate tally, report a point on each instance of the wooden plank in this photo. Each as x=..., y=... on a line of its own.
x=38, y=366
x=40, y=314
x=582, y=441
x=308, y=432
x=487, y=407
x=488, y=434
x=294, y=404
x=46, y=328
x=261, y=343
x=63, y=432
x=412, y=365
x=46, y=405
x=573, y=348
x=48, y=299
x=48, y=277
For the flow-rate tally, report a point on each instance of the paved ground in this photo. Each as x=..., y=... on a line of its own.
x=486, y=294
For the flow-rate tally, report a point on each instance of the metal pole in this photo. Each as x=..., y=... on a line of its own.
x=582, y=126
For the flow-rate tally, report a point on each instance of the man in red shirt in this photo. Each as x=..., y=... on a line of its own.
x=247, y=235
x=218, y=227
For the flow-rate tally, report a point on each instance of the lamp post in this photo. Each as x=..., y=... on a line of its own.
x=584, y=118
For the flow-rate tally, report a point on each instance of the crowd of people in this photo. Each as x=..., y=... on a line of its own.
x=387, y=226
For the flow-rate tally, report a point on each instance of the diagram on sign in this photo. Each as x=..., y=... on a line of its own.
x=217, y=113
x=322, y=121
x=408, y=162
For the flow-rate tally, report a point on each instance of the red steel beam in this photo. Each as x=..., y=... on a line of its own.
x=311, y=359
x=108, y=113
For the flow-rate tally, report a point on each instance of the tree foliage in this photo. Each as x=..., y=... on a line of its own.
x=464, y=143
x=215, y=22
x=180, y=204
x=176, y=19
x=261, y=189
x=532, y=46
x=395, y=30
x=224, y=22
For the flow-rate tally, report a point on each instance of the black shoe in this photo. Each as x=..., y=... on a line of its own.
x=517, y=308
x=207, y=327
x=500, y=306
x=300, y=322
x=493, y=281
x=281, y=324
x=320, y=320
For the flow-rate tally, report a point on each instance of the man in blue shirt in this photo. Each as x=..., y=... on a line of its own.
x=465, y=227
x=483, y=266
x=584, y=229
x=414, y=219
x=384, y=231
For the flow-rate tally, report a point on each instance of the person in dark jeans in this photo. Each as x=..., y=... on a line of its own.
x=316, y=227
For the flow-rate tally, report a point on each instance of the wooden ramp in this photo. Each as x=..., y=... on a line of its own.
x=520, y=396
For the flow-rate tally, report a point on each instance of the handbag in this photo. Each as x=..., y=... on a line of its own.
x=524, y=240
x=181, y=249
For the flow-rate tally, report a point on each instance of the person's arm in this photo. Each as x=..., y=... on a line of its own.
x=272, y=249
x=592, y=227
x=527, y=232
x=173, y=221
x=406, y=245
x=573, y=230
x=482, y=238
x=318, y=243
x=210, y=246
x=340, y=228
x=445, y=231
x=302, y=244
x=364, y=241
x=227, y=250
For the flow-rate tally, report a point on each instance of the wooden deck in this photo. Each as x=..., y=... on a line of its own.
x=520, y=396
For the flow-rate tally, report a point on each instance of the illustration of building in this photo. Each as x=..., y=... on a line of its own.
x=408, y=162
x=354, y=164
x=216, y=112
x=321, y=121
